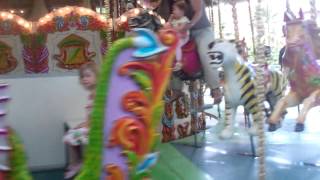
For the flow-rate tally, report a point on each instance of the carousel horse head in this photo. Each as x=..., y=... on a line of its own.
x=222, y=53
x=145, y=19
x=301, y=33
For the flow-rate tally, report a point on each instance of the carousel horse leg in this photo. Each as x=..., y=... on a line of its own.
x=230, y=113
x=292, y=99
x=308, y=103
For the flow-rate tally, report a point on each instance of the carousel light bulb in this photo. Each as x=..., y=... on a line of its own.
x=48, y=17
x=21, y=21
x=21, y=11
x=151, y=12
x=41, y=21
x=3, y=14
x=144, y=6
x=60, y=11
x=10, y=16
x=87, y=11
x=67, y=9
x=26, y=25
x=102, y=18
x=12, y=11
x=136, y=11
x=81, y=9
x=123, y=19
x=138, y=2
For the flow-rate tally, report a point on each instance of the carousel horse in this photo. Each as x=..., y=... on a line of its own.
x=238, y=75
x=239, y=85
x=300, y=58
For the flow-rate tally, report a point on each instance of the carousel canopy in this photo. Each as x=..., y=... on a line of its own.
x=25, y=8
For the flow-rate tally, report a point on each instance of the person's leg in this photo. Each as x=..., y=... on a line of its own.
x=179, y=54
x=75, y=165
x=203, y=38
x=73, y=140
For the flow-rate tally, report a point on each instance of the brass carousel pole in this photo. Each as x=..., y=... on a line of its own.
x=109, y=30
x=260, y=60
x=235, y=20
x=220, y=21
x=252, y=29
x=313, y=10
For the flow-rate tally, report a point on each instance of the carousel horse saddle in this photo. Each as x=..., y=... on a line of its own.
x=191, y=68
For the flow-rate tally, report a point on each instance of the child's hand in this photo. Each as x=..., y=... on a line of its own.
x=167, y=25
x=83, y=125
x=178, y=66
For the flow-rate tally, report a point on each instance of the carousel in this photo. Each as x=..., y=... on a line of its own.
x=151, y=120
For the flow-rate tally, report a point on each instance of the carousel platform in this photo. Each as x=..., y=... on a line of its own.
x=289, y=155
x=172, y=165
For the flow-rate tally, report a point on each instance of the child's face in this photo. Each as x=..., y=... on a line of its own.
x=88, y=79
x=177, y=12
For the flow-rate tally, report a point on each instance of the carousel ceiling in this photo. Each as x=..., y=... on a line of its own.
x=24, y=7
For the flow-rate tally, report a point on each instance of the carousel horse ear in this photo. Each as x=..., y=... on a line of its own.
x=286, y=17
x=301, y=14
x=211, y=45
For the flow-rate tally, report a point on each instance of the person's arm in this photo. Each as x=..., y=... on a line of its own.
x=197, y=8
x=82, y=125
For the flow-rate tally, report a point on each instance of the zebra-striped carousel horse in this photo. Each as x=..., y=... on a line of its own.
x=240, y=86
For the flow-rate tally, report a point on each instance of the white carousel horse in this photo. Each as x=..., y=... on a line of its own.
x=240, y=86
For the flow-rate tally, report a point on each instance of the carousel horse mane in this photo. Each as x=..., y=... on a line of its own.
x=145, y=20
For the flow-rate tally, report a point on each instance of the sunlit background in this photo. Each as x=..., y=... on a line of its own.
x=273, y=18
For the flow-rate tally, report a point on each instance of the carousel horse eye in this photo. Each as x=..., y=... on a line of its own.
x=219, y=56
x=211, y=45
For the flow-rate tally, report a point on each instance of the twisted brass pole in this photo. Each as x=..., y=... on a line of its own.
x=260, y=61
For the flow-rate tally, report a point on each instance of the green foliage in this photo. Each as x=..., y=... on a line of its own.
x=94, y=154
x=18, y=160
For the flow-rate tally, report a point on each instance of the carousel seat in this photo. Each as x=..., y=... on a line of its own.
x=191, y=69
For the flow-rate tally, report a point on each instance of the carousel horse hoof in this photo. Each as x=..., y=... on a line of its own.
x=273, y=127
x=226, y=133
x=253, y=130
x=299, y=127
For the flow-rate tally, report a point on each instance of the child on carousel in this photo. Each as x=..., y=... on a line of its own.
x=177, y=21
x=79, y=135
